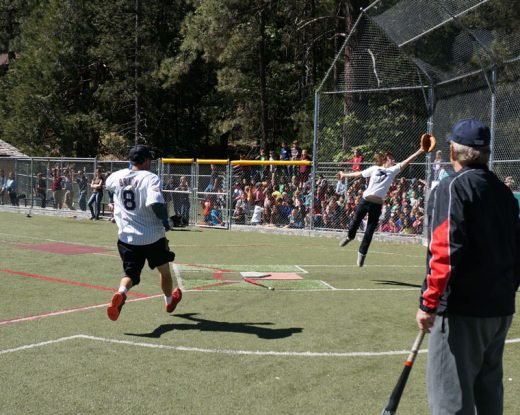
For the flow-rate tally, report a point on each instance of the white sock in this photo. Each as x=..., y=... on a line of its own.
x=168, y=299
x=123, y=289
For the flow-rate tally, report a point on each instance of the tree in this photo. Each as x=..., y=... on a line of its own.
x=48, y=89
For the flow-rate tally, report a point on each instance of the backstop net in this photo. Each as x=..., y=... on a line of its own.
x=414, y=66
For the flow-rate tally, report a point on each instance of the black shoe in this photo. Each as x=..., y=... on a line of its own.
x=344, y=241
x=360, y=259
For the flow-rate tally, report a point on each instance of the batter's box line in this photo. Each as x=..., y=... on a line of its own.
x=216, y=351
x=240, y=268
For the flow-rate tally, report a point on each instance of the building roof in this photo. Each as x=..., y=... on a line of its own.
x=7, y=150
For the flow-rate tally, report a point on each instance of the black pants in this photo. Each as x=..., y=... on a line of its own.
x=374, y=211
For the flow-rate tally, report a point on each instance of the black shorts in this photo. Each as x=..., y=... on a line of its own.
x=134, y=256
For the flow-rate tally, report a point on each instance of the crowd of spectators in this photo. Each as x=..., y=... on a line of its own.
x=281, y=196
x=261, y=195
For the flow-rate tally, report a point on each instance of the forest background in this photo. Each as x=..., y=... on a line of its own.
x=193, y=78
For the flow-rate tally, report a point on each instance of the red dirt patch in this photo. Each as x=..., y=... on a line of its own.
x=64, y=249
x=272, y=276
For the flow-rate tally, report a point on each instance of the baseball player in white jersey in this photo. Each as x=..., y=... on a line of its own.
x=142, y=218
x=380, y=177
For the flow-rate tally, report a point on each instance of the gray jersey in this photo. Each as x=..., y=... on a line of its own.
x=134, y=193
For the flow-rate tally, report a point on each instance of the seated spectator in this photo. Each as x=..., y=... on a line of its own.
x=216, y=216
x=258, y=211
x=297, y=216
x=320, y=210
x=276, y=218
x=407, y=227
x=390, y=227
x=206, y=211
x=341, y=186
x=249, y=195
x=285, y=208
x=237, y=193
x=260, y=193
x=243, y=204
x=418, y=224
x=239, y=216
x=267, y=214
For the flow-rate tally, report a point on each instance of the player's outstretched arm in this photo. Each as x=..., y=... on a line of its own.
x=406, y=163
x=351, y=175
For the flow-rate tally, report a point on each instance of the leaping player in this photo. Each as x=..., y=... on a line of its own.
x=380, y=177
x=142, y=218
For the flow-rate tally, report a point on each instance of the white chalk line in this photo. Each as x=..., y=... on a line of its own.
x=178, y=277
x=364, y=266
x=216, y=351
x=301, y=269
x=70, y=311
x=49, y=240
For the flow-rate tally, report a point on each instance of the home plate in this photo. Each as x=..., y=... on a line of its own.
x=272, y=275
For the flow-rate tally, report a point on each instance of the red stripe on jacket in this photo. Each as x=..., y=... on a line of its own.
x=440, y=267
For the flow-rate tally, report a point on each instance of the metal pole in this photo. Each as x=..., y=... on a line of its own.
x=229, y=201
x=493, y=115
x=314, y=158
x=136, y=74
x=429, y=129
x=194, y=206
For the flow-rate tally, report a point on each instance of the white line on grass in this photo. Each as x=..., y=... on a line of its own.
x=399, y=254
x=178, y=277
x=70, y=311
x=328, y=285
x=218, y=351
x=366, y=265
x=301, y=269
x=50, y=240
x=35, y=345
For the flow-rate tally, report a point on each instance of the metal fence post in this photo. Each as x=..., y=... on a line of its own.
x=315, y=153
x=493, y=115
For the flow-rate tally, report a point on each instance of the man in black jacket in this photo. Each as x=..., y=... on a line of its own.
x=468, y=297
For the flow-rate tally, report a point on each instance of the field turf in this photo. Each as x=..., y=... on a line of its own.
x=333, y=342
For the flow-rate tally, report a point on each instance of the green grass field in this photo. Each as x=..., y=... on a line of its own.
x=331, y=343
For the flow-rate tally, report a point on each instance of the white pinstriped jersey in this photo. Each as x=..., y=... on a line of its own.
x=134, y=192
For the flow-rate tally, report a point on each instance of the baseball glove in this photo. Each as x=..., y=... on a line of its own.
x=428, y=142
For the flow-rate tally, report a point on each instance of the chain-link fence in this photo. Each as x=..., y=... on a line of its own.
x=409, y=67
x=57, y=183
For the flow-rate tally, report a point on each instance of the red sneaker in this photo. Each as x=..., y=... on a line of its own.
x=176, y=299
x=118, y=301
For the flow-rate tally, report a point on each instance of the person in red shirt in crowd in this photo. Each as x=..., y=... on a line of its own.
x=305, y=170
x=356, y=160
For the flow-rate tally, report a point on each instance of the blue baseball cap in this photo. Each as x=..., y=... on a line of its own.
x=471, y=133
x=140, y=153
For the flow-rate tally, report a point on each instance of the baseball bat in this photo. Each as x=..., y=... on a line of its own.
x=395, y=397
x=251, y=281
